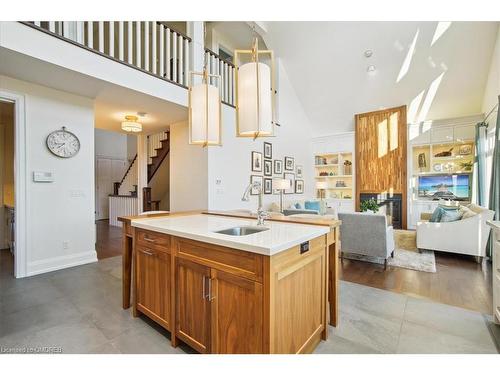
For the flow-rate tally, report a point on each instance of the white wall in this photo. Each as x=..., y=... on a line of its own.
x=231, y=163
x=110, y=145
x=188, y=171
x=131, y=146
x=60, y=215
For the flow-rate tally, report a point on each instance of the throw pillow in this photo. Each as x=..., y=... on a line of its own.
x=312, y=205
x=436, y=215
x=274, y=207
x=450, y=215
x=475, y=208
x=467, y=212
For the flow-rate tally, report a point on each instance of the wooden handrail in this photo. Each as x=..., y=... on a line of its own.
x=128, y=169
x=219, y=57
x=158, y=159
x=174, y=30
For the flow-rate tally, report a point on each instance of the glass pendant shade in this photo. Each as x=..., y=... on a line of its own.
x=131, y=125
x=205, y=115
x=255, y=110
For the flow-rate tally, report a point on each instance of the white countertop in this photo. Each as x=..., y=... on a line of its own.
x=280, y=236
x=495, y=224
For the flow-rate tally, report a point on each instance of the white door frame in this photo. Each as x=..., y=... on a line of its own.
x=20, y=181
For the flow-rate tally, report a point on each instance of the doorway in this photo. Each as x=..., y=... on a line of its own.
x=115, y=187
x=7, y=189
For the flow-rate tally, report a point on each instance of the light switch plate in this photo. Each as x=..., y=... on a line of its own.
x=43, y=177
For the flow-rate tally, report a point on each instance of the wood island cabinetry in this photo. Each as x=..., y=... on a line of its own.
x=222, y=300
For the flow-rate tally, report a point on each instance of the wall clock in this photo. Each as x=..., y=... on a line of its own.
x=63, y=143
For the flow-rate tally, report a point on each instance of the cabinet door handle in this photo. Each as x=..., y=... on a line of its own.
x=149, y=239
x=210, y=297
x=203, y=294
x=146, y=252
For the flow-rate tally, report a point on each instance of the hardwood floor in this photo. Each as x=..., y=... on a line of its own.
x=458, y=281
x=109, y=240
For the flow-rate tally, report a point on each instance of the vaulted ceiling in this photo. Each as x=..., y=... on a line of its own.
x=438, y=69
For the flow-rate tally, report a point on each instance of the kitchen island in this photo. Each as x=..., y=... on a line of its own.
x=221, y=284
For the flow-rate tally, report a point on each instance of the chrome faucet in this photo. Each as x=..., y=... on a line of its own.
x=261, y=213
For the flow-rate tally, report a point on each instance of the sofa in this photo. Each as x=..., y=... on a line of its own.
x=366, y=234
x=304, y=210
x=467, y=236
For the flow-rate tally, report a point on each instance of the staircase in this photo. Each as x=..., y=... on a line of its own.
x=128, y=184
x=158, y=148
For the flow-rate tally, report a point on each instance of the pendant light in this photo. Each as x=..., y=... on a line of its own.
x=205, y=122
x=131, y=125
x=255, y=99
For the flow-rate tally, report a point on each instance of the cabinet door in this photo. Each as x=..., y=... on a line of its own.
x=192, y=304
x=442, y=134
x=237, y=310
x=465, y=133
x=153, y=284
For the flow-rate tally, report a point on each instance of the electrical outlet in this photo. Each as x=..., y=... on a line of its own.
x=65, y=245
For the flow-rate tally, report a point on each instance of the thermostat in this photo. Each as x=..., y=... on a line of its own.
x=43, y=177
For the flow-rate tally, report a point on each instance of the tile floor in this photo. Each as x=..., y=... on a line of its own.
x=78, y=310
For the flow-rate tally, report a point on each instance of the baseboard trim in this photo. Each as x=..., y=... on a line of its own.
x=57, y=263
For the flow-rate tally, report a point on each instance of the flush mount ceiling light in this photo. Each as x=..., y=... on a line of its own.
x=131, y=125
x=205, y=121
x=255, y=99
x=368, y=53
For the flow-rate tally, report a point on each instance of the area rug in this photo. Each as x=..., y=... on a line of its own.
x=406, y=254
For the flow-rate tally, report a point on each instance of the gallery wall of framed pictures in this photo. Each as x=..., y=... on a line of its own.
x=264, y=169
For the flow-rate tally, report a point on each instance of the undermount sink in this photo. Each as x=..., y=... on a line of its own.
x=242, y=231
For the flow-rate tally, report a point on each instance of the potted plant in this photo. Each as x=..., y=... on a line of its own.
x=369, y=206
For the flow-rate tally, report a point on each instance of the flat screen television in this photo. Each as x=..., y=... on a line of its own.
x=453, y=187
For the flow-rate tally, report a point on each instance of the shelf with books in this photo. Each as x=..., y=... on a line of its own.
x=337, y=168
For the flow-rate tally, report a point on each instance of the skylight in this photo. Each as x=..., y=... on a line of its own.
x=408, y=58
x=431, y=93
x=441, y=28
x=413, y=108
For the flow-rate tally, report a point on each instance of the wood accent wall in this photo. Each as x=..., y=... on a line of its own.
x=381, y=153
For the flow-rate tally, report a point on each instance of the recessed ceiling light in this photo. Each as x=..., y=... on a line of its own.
x=368, y=53
x=371, y=68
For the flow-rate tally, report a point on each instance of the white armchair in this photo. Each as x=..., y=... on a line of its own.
x=467, y=236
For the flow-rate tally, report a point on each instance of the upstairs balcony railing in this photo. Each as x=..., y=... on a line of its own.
x=150, y=46
x=217, y=65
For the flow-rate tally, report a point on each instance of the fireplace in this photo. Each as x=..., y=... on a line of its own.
x=392, y=203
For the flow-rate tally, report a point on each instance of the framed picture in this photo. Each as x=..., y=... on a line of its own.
x=278, y=166
x=289, y=163
x=291, y=177
x=465, y=150
x=256, y=161
x=299, y=186
x=268, y=167
x=276, y=191
x=298, y=171
x=268, y=186
x=268, y=150
x=259, y=179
